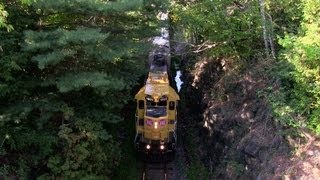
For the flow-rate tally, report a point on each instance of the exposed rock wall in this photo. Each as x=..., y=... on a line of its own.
x=237, y=136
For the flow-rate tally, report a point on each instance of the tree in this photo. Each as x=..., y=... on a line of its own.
x=72, y=66
x=226, y=27
x=301, y=52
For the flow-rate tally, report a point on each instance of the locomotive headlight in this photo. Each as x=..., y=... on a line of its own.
x=162, y=147
x=148, y=146
x=156, y=125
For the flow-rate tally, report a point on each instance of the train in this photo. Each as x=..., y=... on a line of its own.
x=156, y=109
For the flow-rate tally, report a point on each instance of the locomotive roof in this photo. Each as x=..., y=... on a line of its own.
x=157, y=84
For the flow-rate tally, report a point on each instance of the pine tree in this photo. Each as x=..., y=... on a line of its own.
x=72, y=67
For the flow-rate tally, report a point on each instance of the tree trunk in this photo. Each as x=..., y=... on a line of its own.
x=264, y=28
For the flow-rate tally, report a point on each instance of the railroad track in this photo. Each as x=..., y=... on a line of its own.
x=158, y=171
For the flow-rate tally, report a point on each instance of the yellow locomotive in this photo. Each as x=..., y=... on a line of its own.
x=156, y=113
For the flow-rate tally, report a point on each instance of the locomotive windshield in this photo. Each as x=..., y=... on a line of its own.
x=156, y=111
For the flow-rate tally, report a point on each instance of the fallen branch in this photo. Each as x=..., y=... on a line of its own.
x=200, y=47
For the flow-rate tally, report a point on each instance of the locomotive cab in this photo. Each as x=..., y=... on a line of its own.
x=156, y=115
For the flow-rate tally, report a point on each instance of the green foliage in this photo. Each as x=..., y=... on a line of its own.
x=234, y=30
x=61, y=44
x=283, y=112
x=197, y=171
x=95, y=80
x=286, y=15
x=88, y=7
x=84, y=156
x=130, y=164
x=299, y=71
x=3, y=19
x=66, y=72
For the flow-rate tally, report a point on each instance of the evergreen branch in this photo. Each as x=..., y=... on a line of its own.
x=35, y=41
x=53, y=57
x=98, y=80
x=88, y=7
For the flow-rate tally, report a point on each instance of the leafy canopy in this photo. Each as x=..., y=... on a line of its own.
x=67, y=69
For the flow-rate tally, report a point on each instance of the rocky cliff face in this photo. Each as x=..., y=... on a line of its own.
x=235, y=133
